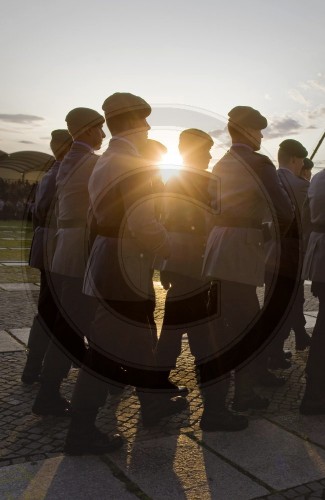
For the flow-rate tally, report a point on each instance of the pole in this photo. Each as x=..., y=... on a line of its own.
x=318, y=146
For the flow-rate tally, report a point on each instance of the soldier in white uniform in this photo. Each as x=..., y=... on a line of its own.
x=44, y=230
x=153, y=151
x=313, y=402
x=187, y=216
x=305, y=172
x=246, y=189
x=119, y=275
x=70, y=257
x=291, y=157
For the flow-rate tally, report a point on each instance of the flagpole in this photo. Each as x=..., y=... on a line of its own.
x=318, y=146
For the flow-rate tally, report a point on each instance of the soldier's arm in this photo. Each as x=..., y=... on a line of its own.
x=44, y=198
x=281, y=202
x=306, y=223
x=140, y=212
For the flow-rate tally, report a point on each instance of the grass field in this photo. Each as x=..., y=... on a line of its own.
x=15, y=240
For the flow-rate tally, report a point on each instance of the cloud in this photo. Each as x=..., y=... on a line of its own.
x=177, y=116
x=280, y=127
x=27, y=142
x=297, y=96
x=316, y=113
x=315, y=84
x=218, y=133
x=20, y=118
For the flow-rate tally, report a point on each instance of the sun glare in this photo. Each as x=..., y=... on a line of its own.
x=170, y=163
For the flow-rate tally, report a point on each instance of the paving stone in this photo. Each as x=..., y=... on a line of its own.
x=8, y=344
x=61, y=478
x=315, y=486
x=21, y=334
x=275, y=456
x=168, y=467
x=302, y=490
x=311, y=313
x=14, y=264
x=308, y=427
x=17, y=287
x=290, y=494
x=310, y=320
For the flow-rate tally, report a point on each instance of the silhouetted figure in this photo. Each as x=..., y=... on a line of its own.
x=305, y=171
x=153, y=151
x=313, y=402
x=188, y=219
x=246, y=189
x=41, y=254
x=119, y=275
x=291, y=157
x=69, y=260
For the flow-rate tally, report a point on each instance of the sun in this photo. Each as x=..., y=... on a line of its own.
x=170, y=164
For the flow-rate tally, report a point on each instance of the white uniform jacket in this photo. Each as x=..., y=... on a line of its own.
x=314, y=263
x=249, y=189
x=43, y=244
x=128, y=233
x=71, y=251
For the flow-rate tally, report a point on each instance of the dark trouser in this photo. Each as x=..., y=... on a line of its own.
x=120, y=352
x=39, y=336
x=71, y=326
x=315, y=368
x=298, y=320
x=239, y=307
x=186, y=312
x=295, y=320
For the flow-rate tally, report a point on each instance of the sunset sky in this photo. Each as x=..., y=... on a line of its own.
x=192, y=61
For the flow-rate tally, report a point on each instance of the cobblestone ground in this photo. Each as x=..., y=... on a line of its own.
x=25, y=437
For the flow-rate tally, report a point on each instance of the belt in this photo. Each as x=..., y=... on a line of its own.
x=245, y=222
x=108, y=232
x=71, y=223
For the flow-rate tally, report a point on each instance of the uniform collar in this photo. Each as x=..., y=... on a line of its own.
x=81, y=143
x=241, y=145
x=130, y=143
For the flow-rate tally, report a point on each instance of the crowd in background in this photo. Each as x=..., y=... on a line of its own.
x=16, y=199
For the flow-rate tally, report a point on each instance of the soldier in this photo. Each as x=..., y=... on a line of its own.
x=305, y=172
x=70, y=257
x=47, y=309
x=291, y=157
x=119, y=274
x=249, y=188
x=188, y=218
x=313, y=402
x=154, y=151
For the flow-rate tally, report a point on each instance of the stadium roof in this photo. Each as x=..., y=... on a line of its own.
x=26, y=161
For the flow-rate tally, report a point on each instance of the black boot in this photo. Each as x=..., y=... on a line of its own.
x=84, y=438
x=245, y=396
x=156, y=407
x=313, y=401
x=164, y=383
x=37, y=344
x=50, y=402
x=303, y=340
x=216, y=416
x=268, y=379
